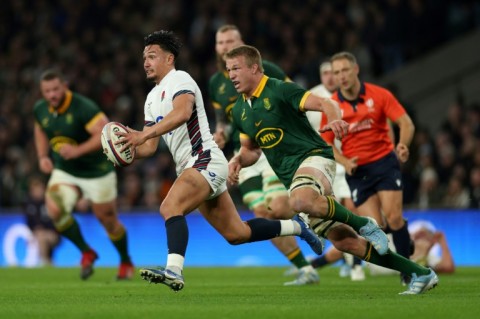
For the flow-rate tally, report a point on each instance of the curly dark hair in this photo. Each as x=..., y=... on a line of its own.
x=167, y=40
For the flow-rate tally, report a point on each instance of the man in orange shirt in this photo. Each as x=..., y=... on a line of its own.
x=371, y=160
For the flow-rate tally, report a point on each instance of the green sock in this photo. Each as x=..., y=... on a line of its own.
x=73, y=233
x=297, y=258
x=339, y=213
x=121, y=244
x=394, y=261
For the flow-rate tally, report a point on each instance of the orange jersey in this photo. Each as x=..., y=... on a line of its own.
x=368, y=126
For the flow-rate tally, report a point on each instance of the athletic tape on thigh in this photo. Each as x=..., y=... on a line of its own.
x=65, y=197
x=273, y=188
x=310, y=181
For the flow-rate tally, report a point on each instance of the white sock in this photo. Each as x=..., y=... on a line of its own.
x=175, y=263
x=289, y=227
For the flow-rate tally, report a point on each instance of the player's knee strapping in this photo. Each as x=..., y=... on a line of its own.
x=273, y=188
x=65, y=197
x=300, y=181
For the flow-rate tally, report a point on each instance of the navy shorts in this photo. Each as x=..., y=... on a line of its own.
x=381, y=175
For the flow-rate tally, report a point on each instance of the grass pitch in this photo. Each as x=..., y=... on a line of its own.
x=230, y=293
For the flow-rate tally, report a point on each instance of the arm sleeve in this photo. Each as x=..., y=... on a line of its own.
x=90, y=112
x=294, y=95
x=393, y=109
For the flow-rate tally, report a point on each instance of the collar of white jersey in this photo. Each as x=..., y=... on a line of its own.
x=167, y=75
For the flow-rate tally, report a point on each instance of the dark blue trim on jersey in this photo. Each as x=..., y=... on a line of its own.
x=360, y=98
x=149, y=123
x=182, y=92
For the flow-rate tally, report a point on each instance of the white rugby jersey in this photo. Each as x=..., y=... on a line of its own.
x=315, y=117
x=190, y=138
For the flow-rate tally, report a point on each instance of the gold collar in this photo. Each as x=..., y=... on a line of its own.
x=259, y=88
x=65, y=105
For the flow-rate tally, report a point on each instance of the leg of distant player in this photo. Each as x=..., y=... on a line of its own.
x=260, y=192
x=60, y=199
x=276, y=198
x=331, y=256
x=352, y=265
x=106, y=213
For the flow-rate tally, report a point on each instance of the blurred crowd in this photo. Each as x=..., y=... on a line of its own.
x=98, y=45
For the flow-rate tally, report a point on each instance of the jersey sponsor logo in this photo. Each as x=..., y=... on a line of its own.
x=269, y=137
x=266, y=104
x=360, y=126
x=213, y=176
x=257, y=124
x=158, y=119
x=58, y=141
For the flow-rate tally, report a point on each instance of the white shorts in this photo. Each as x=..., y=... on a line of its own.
x=260, y=168
x=98, y=189
x=215, y=171
x=340, y=185
x=324, y=165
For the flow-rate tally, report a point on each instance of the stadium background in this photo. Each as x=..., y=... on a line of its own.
x=423, y=50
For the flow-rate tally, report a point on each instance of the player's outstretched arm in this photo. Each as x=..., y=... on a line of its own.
x=332, y=112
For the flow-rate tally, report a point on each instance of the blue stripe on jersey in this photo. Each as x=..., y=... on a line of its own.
x=148, y=123
x=193, y=128
x=202, y=162
x=182, y=92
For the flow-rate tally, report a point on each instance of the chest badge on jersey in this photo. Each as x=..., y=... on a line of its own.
x=370, y=105
x=69, y=118
x=266, y=104
x=221, y=89
x=45, y=122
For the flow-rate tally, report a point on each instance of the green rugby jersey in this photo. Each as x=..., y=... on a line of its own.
x=223, y=94
x=68, y=124
x=277, y=124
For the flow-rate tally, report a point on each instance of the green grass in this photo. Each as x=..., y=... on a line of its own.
x=230, y=293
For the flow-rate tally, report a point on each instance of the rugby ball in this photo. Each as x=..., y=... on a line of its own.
x=113, y=151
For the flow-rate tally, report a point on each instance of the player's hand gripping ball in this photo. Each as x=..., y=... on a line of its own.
x=113, y=151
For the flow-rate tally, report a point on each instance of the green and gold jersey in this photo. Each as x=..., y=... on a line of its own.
x=223, y=94
x=275, y=120
x=68, y=125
